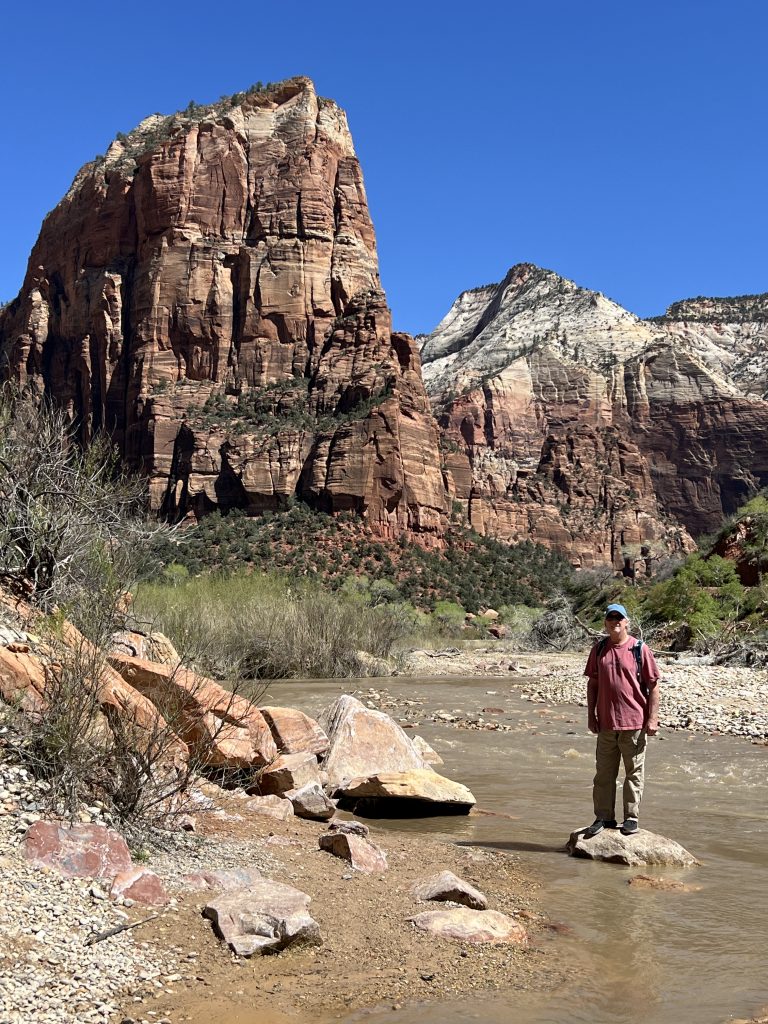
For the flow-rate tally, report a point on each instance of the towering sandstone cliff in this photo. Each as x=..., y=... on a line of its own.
x=209, y=292
x=569, y=420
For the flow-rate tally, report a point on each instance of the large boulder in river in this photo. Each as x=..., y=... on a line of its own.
x=417, y=792
x=265, y=917
x=642, y=848
x=363, y=742
x=475, y=926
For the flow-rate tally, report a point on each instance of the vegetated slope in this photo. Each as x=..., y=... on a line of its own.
x=223, y=260
x=476, y=572
x=567, y=419
x=714, y=600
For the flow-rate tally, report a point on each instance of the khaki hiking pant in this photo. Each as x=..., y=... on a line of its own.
x=612, y=747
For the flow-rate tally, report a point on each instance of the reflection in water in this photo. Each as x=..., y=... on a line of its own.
x=639, y=956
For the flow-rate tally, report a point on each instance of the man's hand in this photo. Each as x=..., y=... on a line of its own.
x=652, y=728
x=592, y=724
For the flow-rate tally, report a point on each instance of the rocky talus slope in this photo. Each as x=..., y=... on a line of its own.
x=567, y=419
x=209, y=292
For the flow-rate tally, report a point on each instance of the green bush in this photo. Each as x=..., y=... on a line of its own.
x=471, y=571
x=704, y=592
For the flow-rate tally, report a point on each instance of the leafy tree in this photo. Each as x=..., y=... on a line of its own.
x=704, y=592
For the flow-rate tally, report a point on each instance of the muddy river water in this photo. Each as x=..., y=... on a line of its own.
x=656, y=957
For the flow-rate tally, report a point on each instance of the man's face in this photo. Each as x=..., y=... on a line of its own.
x=616, y=627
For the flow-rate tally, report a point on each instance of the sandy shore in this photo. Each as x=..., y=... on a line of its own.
x=174, y=969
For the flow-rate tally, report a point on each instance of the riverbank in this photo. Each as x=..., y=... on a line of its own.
x=172, y=968
x=703, y=698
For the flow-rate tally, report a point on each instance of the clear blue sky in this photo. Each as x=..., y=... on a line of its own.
x=622, y=145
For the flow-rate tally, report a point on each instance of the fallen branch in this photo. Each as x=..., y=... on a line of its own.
x=100, y=936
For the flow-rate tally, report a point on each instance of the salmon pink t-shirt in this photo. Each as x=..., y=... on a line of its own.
x=621, y=703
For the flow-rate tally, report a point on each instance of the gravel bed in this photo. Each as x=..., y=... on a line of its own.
x=694, y=695
x=47, y=973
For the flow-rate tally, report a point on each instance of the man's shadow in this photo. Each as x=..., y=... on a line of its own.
x=518, y=846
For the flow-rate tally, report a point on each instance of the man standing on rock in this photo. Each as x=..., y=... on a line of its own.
x=623, y=709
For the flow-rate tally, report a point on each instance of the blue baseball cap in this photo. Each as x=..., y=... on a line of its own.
x=617, y=608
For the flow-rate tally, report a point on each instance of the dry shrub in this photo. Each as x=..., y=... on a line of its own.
x=94, y=742
x=557, y=629
x=264, y=627
x=73, y=539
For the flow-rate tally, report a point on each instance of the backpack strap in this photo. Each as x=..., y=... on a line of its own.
x=637, y=650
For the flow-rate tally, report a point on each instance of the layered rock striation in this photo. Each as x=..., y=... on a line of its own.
x=730, y=335
x=567, y=419
x=208, y=292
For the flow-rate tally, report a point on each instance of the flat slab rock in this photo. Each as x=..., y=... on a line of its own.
x=421, y=785
x=140, y=885
x=475, y=926
x=264, y=918
x=77, y=851
x=641, y=849
x=449, y=888
x=223, y=879
x=271, y=806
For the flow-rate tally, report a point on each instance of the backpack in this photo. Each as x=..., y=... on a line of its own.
x=637, y=650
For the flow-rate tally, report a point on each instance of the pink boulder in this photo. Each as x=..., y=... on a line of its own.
x=294, y=732
x=77, y=851
x=362, y=854
x=141, y=885
x=221, y=728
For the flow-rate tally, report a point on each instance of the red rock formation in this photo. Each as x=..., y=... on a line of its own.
x=221, y=728
x=209, y=292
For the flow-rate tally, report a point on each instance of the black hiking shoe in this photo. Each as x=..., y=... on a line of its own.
x=630, y=826
x=597, y=827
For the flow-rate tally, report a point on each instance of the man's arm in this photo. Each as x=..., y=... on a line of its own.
x=652, y=711
x=592, y=723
